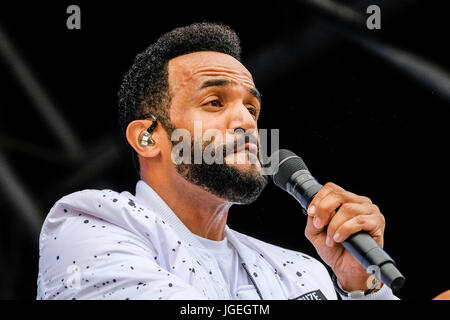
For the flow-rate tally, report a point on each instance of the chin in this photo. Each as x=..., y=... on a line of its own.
x=244, y=167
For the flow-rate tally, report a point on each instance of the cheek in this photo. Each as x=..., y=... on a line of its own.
x=206, y=123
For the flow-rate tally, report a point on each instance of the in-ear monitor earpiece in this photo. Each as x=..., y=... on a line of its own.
x=146, y=136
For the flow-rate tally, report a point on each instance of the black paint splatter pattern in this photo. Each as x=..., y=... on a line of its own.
x=117, y=248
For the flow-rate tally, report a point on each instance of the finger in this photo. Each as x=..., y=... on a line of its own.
x=349, y=196
x=326, y=189
x=330, y=187
x=312, y=233
x=326, y=208
x=374, y=224
x=345, y=213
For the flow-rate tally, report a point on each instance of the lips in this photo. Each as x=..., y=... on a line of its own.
x=250, y=147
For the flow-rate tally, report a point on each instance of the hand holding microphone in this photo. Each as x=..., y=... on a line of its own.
x=343, y=214
x=337, y=216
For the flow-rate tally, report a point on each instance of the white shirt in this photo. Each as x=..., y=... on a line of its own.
x=101, y=244
x=230, y=265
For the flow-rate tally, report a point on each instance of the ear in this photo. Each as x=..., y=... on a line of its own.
x=134, y=134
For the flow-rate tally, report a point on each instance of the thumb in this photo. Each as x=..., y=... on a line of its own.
x=314, y=234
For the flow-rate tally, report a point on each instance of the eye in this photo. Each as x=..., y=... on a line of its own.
x=214, y=103
x=253, y=111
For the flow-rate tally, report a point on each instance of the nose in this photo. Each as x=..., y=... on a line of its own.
x=240, y=118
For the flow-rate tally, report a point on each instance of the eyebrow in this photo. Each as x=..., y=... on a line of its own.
x=225, y=82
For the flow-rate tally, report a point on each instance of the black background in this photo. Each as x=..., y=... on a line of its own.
x=355, y=119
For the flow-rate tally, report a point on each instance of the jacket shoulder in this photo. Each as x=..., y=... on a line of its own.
x=106, y=205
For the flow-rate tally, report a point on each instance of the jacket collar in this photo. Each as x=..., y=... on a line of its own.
x=146, y=195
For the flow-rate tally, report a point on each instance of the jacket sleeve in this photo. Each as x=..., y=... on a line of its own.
x=83, y=257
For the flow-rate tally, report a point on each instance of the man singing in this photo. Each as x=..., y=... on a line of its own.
x=171, y=240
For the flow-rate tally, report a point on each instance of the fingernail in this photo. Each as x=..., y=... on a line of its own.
x=329, y=242
x=336, y=237
x=317, y=222
x=311, y=210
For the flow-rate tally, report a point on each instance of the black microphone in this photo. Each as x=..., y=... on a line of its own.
x=293, y=176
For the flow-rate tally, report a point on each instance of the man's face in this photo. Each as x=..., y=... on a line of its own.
x=217, y=91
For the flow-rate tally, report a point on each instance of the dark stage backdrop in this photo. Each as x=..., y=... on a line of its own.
x=355, y=119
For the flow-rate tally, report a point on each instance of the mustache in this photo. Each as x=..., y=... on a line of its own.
x=233, y=146
x=227, y=148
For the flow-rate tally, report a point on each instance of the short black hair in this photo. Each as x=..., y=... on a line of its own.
x=145, y=86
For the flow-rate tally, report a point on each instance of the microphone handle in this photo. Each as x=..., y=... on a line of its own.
x=360, y=245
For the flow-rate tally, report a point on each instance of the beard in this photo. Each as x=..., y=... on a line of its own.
x=227, y=182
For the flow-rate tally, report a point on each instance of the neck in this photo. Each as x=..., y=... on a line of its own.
x=201, y=212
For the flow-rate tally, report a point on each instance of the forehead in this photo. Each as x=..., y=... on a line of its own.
x=194, y=68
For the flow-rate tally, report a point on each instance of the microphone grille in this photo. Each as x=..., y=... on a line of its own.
x=288, y=163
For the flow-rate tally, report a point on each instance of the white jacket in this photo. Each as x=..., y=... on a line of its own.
x=100, y=244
